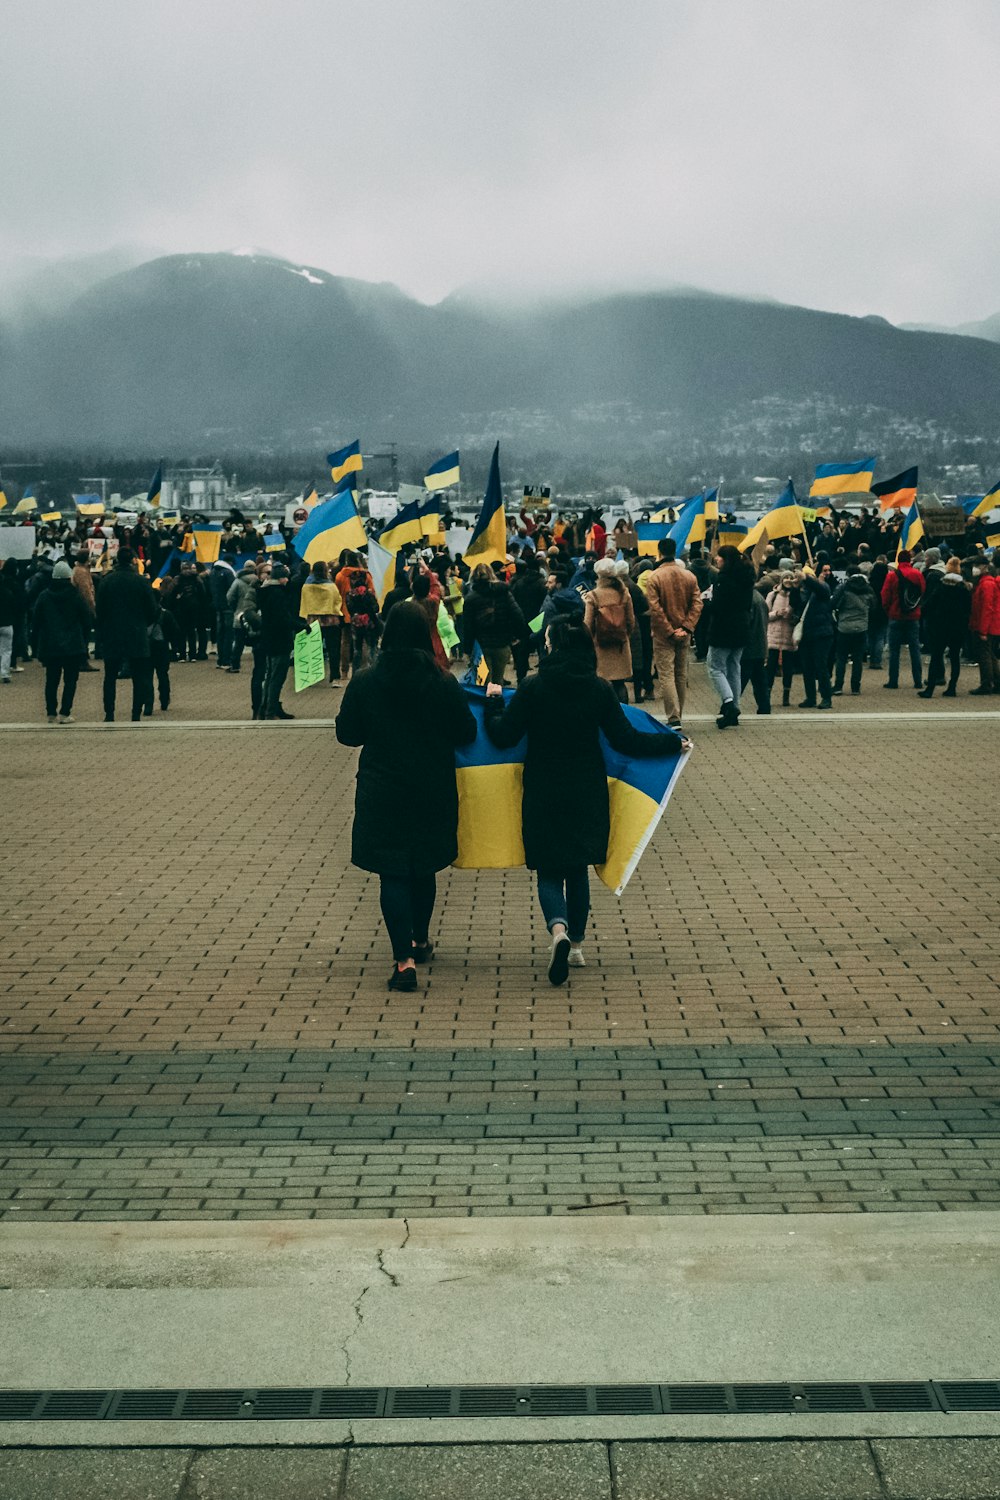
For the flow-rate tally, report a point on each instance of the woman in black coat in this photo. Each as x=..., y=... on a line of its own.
x=946, y=619
x=60, y=627
x=408, y=716
x=563, y=708
x=729, y=630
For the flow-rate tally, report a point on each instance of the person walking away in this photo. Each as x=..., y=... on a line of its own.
x=947, y=609
x=984, y=623
x=83, y=582
x=60, y=631
x=241, y=596
x=781, y=652
x=902, y=593
x=365, y=624
x=610, y=618
x=563, y=709
x=125, y=610
x=347, y=563
x=527, y=589
x=186, y=603
x=492, y=620
x=9, y=594
x=878, y=620
x=325, y=596
x=674, y=610
x=639, y=642
x=220, y=581
x=277, y=628
x=753, y=669
x=852, y=604
x=408, y=715
x=159, y=656
x=425, y=590
x=816, y=622
x=732, y=593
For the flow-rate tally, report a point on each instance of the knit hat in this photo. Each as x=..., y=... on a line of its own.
x=279, y=571
x=953, y=565
x=60, y=571
x=249, y=566
x=786, y=564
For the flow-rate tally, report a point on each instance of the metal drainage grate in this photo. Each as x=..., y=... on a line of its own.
x=330, y=1404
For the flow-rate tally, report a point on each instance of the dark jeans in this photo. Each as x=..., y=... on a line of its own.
x=814, y=659
x=905, y=633
x=789, y=663
x=407, y=903
x=68, y=668
x=565, y=898
x=877, y=632
x=142, y=684
x=239, y=645
x=257, y=679
x=159, y=660
x=331, y=643
x=223, y=637
x=755, y=672
x=935, y=671
x=851, y=646
x=277, y=671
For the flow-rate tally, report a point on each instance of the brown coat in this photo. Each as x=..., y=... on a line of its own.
x=614, y=663
x=674, y=600
x=83, y=582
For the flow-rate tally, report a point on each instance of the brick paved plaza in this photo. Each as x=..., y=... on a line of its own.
x=795, y=1007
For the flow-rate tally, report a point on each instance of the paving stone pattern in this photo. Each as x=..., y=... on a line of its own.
x=794, y=1007
x=853, y=1469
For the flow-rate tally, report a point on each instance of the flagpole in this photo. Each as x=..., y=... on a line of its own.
x=805, y=534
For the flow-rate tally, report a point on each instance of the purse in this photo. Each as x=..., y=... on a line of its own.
x=797, y=630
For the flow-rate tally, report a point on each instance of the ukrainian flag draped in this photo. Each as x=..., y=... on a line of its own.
x=345, y=461
x=489, y=538
x=444, y=473
x=913, y=530
x=155, y=487
x=843, y=479
x=207, y=543
x=489, y=800
x=785, y=519
x=897, y=493
x=332, y=525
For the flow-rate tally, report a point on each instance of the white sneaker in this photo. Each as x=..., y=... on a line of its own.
x=66, y=719
x=53, y=719
x=576, y=958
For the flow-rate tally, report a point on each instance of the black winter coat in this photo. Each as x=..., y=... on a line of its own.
x=61, y=622
x=946, y=612
x=125, y=610
x=732, y=593
x=817, y=613
x=491, y=617
x=563, y=708
x=278, y=618
x=408, y=716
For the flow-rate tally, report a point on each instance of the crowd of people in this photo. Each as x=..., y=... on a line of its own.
x=820, y=612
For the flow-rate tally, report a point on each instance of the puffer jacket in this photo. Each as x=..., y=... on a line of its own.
x=780, y=620
x=985, y=617
x=852, y=603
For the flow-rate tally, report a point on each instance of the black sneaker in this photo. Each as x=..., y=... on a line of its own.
x=402, y=979
x=281, y=714
x=423, y=952
x=559, y=960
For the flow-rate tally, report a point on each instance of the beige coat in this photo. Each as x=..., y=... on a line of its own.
x=614, y=663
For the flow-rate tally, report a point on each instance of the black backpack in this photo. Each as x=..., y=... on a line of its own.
x=910, y=595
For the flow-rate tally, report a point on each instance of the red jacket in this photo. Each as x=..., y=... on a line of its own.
x=985, y=616
x=890, y=592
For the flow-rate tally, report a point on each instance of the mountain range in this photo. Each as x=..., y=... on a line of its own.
x=249, y=353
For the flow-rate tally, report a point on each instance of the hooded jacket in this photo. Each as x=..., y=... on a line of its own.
x=61, y=622
x=890, y=592
x=852, y=604
x=946, y=611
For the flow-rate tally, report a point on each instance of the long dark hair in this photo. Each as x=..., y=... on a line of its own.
x=407, y=628
x=572, y=646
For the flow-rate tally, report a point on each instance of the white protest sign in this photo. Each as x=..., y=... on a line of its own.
x=457, y=538
x=17, y=541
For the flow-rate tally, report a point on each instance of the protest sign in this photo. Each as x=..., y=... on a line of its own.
x=308, y=657
x=17, y=541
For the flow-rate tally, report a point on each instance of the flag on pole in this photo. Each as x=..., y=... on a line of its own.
x=407, y=525
x=690, y=524
x=649, y=535
x=989, y=501
x=155, y=486
x=444, y=473
x=897, y=493
x=489, y=537
x=843, y=479
x=332, y=525
x=345, y=461
x=310, y=497
x=382, y=567
x=913, y=530
x=784, y=519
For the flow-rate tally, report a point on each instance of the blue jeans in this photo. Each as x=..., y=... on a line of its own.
x=566, y=899
x=905, y=632
x=724, y=671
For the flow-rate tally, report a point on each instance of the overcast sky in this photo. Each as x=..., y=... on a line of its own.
x=842, y=154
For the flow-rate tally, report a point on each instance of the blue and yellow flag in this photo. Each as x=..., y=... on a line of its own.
x=207, y=543
x=407, y=525
x=489, y=799
x=983, y=503
x=712, y=504
x=731, y=534
x=913, y=530
x=155, y=486
x=690, y=524
x=444, y=473
x=310, y=497
x=488, y=542
x=274, y=542
x=345, y=461
x=649, y=535
x=86, y=505
x=3, y=500
x=382, y=567
x=843, y=479
x=784, y=519
x=332, y=525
